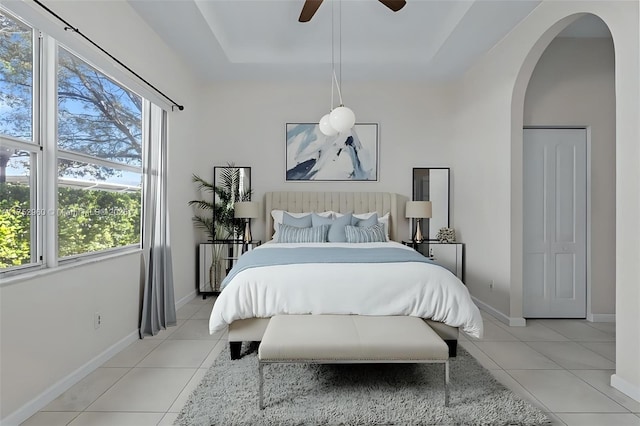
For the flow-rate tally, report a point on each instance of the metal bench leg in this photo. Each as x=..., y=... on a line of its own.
x=446, y=383
x=260, y=385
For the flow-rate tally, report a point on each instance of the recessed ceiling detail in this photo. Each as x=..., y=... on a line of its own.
x=263, y=40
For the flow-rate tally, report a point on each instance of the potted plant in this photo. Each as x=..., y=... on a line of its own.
x=216, y=215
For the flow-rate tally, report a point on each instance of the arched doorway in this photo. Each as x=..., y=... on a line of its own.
x=572, y=87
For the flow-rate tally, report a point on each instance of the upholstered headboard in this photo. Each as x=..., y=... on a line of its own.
x=341, y=202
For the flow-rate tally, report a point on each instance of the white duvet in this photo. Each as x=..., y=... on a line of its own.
x=412, y=288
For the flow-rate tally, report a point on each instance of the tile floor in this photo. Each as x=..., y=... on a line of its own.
x=562, y=366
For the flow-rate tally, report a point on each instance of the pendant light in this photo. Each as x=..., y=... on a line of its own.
x=340, y=119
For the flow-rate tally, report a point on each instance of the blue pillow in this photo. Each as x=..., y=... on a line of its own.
x=365, y=223
x=298, y=222
x=293, y=234
x=371, y=234
x=336, y=230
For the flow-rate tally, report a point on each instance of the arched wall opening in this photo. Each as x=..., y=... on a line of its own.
x=626, y=38
x=487, y=139
x=570, y=82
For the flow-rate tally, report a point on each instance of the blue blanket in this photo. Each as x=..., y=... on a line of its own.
x=289, y=256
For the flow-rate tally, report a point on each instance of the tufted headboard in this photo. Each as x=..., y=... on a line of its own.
x=341, y=202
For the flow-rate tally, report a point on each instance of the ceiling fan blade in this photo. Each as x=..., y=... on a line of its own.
x=309, y=9
x=394, y=5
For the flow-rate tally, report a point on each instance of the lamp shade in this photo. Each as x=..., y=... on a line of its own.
x=325, y=126
x=342, y=119
x=246, y=209
x=418, y=209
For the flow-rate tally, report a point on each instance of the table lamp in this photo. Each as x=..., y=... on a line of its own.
x=246, y=210
x=418, y=210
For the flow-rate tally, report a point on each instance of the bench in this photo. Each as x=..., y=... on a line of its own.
x=349, y=339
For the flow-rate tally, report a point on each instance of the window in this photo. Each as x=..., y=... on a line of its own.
x=99, y=160
x=19, y=152
x=95, y=161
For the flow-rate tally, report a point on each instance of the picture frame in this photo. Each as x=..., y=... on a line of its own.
x=348, y=156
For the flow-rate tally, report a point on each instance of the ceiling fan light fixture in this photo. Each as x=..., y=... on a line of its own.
x=342, y=119
x=325, y=126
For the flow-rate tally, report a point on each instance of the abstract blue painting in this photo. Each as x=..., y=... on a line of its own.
x=351, y=156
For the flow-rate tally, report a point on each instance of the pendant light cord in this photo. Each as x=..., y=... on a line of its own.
x=334, y=78
x=333, y=56
x=340, y=45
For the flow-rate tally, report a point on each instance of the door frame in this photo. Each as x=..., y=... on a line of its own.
x=587, y=129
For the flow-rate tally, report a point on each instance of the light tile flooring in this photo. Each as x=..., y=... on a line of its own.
x=561, y=366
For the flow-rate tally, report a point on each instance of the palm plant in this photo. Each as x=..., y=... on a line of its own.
x=221, y=223
x=201, y=221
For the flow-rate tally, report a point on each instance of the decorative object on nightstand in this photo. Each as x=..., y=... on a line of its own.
x=247, y=210
x=418, y=210
x=446, y=235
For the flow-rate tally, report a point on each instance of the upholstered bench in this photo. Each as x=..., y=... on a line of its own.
x=347, y=339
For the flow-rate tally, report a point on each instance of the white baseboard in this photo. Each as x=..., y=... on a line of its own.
x=62, y=385
x=188, y=298
x=601, y=317
x=511, y=322
x=629, y=389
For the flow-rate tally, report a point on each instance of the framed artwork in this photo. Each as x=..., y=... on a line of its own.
x=347, y=156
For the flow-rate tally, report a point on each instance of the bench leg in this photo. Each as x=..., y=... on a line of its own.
x=260, y=385
x=234, y=348
x=453, y=347
x=446, y=384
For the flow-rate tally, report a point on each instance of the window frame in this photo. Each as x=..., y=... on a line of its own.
x=43, y=176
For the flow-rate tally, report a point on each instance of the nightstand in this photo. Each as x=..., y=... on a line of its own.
x=448, y=255
x=215, y=260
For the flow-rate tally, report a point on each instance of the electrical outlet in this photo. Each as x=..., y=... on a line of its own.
x=97, y=320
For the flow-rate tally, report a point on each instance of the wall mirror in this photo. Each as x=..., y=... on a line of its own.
x=432, y=184
x=231, y=183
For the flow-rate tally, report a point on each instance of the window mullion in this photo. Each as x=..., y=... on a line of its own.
x=49, y=110
x=84, y=158
x=36, y=177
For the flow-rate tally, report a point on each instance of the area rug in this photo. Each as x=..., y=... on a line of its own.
x=353, y=394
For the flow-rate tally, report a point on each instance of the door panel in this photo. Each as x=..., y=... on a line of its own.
x=555, y=185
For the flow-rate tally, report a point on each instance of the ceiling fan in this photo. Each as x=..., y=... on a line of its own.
x=311, y=6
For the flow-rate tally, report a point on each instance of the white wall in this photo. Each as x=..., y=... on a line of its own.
x=488, y=199
x=47, y=324
x=245, y=124
x=47, y=321
x=574, y=84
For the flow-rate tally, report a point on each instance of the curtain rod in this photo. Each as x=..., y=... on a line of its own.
x=70, y=27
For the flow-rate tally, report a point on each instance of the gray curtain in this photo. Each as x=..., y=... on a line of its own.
x=158, y=303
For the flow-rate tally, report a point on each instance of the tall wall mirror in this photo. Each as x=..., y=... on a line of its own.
x=432, y=184
x=231, y=183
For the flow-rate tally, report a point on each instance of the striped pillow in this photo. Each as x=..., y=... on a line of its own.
x=292, y=234
x=371, y=234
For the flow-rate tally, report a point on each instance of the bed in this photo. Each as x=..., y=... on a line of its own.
x=358, y=279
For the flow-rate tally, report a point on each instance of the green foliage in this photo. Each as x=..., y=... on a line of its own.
x=14, y=225
x=88, y=221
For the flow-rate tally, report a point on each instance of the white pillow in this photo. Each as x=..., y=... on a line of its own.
x=278, y=216
x=384, y=220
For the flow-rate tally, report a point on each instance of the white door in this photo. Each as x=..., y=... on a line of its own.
x=555, y=223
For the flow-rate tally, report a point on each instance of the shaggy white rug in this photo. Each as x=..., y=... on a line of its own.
x=352, y=394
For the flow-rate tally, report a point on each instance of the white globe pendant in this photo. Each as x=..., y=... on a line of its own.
x=342, y=119
x=325, y=126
